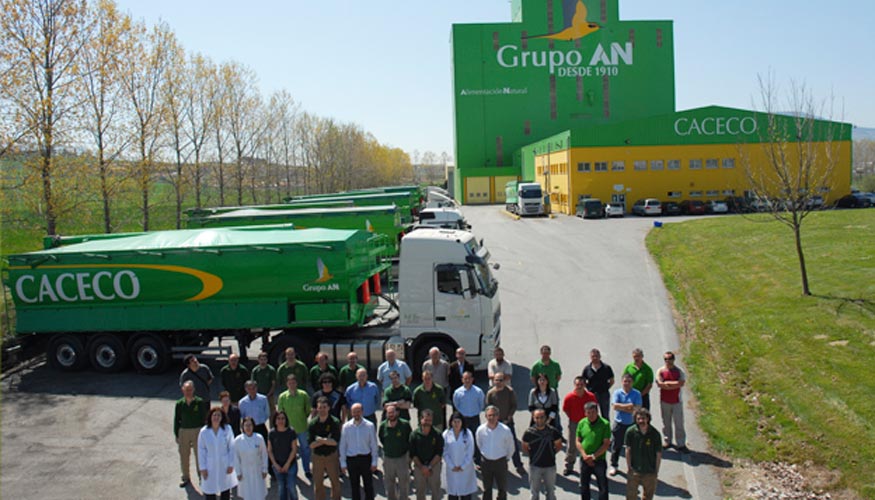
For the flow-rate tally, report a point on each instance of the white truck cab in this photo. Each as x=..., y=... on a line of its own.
x=445, y=217
x=448, y=294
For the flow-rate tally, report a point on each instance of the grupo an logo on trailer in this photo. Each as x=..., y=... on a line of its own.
x=322, y=281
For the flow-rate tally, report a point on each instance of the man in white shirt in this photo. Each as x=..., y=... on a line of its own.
x=358, y=453
x=496, y=446
x=499, y=365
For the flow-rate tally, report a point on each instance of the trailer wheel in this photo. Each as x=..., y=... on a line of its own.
x=150, y=354
x=67, y=353
x=107, y=354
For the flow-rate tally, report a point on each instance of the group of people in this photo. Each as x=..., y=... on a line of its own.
x=333, y=427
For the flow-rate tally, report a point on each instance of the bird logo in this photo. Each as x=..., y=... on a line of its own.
x=324, y=275
x=576, y=26
x=368, y=226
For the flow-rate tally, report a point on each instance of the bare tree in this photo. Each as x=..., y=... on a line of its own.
x=286, y=110
x=144, y=69
x=105, y=106
x=174, y=99
x=200, y=91
x=242, y=105
x=800, y=152
x=43, y=39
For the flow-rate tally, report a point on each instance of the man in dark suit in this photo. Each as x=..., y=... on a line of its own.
x=457, y=368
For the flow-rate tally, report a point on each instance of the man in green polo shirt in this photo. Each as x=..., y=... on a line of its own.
x=431, y=396
x=292, y=366
x=394, y=435
x=320, y=368
x=265, y=376
x=426, y=450
x=188, y=418
x=295, y=403
x=548, y=367
x=642, y=376
x=399, y=395
x=643, y=456
x=346, y=374
x=592, y=440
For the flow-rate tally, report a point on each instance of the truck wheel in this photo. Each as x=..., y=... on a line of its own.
x=107, y=354
x=150, y=354
x=67, y=353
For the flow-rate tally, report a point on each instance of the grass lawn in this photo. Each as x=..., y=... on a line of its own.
x=780, y=376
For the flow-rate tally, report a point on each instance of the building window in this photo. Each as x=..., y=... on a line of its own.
x=674, y=164
x=712, y=163
x=618, y=166
x=695, y=194
x=674, y=194
x=601, y=166
x=584, y=166
x=640, y=165
x=712, y=193
x=728, y=162
x=695, y=164
x=656, y=164
x=729, y=192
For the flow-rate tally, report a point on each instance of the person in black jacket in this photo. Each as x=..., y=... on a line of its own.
x=457, y=368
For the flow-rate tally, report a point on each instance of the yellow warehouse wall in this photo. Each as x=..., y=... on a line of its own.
x=567, y=185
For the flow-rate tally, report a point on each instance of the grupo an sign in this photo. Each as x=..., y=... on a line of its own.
x=569, y=63
x=715, y=125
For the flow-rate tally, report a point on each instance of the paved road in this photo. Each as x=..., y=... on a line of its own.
x=569, y=283
x=577, y=284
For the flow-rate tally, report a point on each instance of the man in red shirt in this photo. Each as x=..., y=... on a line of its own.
x=670, y=379
x=573, y=407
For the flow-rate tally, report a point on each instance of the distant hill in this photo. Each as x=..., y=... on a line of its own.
x=863, y=133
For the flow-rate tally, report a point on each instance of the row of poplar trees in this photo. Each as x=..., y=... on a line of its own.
x=94, y=104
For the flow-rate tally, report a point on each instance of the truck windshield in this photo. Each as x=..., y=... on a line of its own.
x=528, y=193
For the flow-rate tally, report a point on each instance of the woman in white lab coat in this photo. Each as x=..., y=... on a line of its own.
x=461, y=480
x=215, y=456
x=250, y=462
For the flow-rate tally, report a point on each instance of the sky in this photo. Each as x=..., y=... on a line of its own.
x=385, y=64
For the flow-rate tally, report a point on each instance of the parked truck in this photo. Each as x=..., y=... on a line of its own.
x=524, y=198
x=146, y=298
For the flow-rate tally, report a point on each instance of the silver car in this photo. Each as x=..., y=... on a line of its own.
x=614, y=210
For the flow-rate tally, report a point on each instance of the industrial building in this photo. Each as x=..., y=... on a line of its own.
x=572, y=97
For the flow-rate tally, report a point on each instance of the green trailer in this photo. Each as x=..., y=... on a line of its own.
x=408, y=202
x=203, y=212
x=382, y=219
x=147, y=292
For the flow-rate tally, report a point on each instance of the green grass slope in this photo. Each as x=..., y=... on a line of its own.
x=780, y=376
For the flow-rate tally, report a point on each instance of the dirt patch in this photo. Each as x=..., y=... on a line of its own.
x=782, y=481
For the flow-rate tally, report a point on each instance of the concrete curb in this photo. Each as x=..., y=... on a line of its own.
x=512, y=216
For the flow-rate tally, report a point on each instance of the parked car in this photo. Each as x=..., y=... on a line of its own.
x=647, y=206
x=716, y=207
x=737, y=204
x=670, y=208
x=614, y=210
x=851, y=201
x=761, y=205
x=814, y=203
x=869, y=196
x=692, y=207
x=590, y=208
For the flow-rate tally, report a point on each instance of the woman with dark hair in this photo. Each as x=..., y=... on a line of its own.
x=232, y=413
x=459, y=458
x=216, y=457
x=336, y=400
x=542, y=397
x=250, y=462
x=282, y=448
